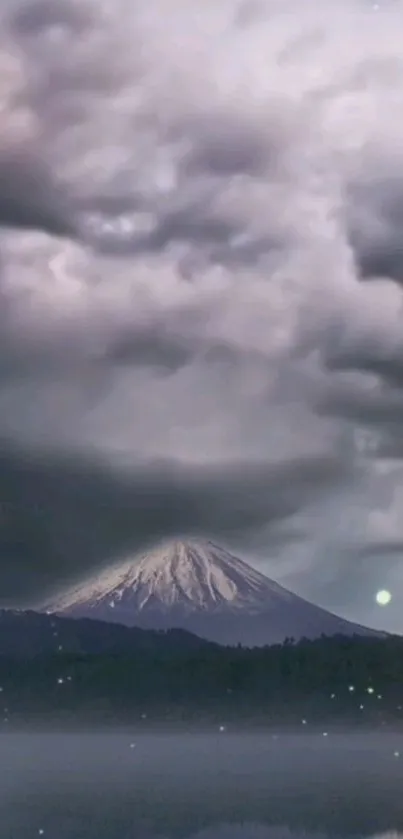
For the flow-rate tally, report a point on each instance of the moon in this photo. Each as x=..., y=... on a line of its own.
x=383, y=597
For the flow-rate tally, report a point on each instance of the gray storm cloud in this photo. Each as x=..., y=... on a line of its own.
x=201, y=263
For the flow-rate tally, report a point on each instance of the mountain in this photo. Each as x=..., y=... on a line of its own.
x=200, y=587
x=26, y=634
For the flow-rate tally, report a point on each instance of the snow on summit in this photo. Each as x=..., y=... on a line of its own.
x=199, y=575
x=191, y=575
x=203, y=588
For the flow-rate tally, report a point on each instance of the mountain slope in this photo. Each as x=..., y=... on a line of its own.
x=27, y=634
x=202, y=588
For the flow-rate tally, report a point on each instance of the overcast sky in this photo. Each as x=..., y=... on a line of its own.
x=201, y=271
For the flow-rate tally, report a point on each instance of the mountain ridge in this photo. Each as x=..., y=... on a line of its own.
x=200, y=587
x=188, y=574
x=25, y=633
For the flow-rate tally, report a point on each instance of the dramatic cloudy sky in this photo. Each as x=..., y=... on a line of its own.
x=201, y=272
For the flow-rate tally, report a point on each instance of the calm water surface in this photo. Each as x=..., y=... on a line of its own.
x=209, y=786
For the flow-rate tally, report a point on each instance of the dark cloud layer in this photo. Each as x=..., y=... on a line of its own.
x=201, y=267
x=63, y=516
x=29, y=199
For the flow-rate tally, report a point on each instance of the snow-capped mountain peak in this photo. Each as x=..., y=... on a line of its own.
x=200, y=575
x=188, y=575
x=200, y=587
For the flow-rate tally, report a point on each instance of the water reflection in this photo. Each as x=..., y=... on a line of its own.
x=264, y=832
x=207, y=786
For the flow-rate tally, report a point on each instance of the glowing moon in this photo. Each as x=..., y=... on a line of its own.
x=383, y=597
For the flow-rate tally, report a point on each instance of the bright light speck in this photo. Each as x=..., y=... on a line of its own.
x=383, y=597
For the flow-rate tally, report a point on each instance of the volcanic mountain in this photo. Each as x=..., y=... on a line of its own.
x=202, y=588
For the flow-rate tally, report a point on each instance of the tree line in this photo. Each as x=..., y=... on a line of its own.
x=355, y=680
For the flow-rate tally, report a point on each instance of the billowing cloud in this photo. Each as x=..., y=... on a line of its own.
x=200, y=212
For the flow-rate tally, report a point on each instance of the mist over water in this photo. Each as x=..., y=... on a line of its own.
x=210, y=785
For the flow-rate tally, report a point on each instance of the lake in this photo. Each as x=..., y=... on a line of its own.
x=216, y=785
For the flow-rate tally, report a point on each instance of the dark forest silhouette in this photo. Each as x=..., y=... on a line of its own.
x=174, y=677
